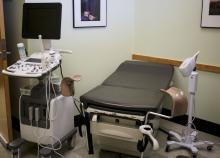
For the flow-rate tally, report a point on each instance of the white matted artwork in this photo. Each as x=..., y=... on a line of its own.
x=210, y=13
x=89, y=13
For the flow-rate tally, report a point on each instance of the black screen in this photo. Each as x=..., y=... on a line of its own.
x=41, y=19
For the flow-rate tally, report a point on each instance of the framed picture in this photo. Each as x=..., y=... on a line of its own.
x=210, y=13
x=89, y=13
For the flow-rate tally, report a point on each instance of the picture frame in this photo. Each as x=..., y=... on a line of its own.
x=210, y=14
x=89, y=13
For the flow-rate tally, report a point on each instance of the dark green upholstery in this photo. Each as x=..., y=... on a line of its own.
x=133, y=88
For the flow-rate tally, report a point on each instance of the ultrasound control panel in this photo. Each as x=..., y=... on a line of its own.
x=28, y=67
x=33, y=66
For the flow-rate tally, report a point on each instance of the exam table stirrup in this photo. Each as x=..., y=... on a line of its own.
x=179, y=107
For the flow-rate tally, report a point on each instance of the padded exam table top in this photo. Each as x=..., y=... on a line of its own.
x=133, y=88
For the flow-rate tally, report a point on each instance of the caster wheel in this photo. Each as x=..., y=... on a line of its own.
x=167, y=149
x=71, y=142
x=168, y=137
x=209, y=147
x=15, y=155
x=194, y=155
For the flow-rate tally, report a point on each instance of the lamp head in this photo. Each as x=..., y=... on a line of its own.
x=188, y=65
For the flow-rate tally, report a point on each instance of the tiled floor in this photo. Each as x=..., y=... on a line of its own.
x=80, y=150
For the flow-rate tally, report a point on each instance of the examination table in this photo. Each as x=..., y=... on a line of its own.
x=115, y=109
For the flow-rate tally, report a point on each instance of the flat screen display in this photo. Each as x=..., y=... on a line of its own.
x=41, y=19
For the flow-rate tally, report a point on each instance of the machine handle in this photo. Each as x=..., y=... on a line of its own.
x=20, y=75
x=4, y=54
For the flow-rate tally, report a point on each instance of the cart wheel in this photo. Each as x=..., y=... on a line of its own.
x=167, y=149
x=168, y=137
x=209, y=147
x=15, y=155
x=194, y=155
x=71, y=142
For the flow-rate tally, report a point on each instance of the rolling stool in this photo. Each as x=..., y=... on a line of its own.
x=15, y=146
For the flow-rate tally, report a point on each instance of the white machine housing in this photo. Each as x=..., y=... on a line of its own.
x=61, y=118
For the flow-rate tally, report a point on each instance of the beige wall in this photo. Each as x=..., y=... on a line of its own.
x=160, y=28
x=171, y=29
x=96, y=51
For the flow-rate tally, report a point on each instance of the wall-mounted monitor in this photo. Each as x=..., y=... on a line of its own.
x=41, y=19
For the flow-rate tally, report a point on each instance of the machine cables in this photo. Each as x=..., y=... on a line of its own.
x=48, y=97
x=184, y=131
x=48, y=87
x=61, y=69
x=76, y=101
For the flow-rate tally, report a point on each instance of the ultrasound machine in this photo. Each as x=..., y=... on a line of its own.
x=46, y=117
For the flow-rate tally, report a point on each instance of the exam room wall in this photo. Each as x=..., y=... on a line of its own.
x=171, y=29
x=96, y=51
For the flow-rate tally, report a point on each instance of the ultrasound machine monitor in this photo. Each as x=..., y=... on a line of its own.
x=41, y=19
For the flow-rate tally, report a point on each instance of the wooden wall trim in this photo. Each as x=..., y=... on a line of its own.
x=5, y=105
x=201, y=67
x=2, y=26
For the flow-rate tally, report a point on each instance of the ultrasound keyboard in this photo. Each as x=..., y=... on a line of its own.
x=33, y=66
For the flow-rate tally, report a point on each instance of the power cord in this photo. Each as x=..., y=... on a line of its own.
x=61, y=70
x=48, y=117
x=75, y=103
x=184, y=131
x=52, y=144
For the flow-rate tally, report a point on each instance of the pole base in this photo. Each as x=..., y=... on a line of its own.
x=188, y=142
